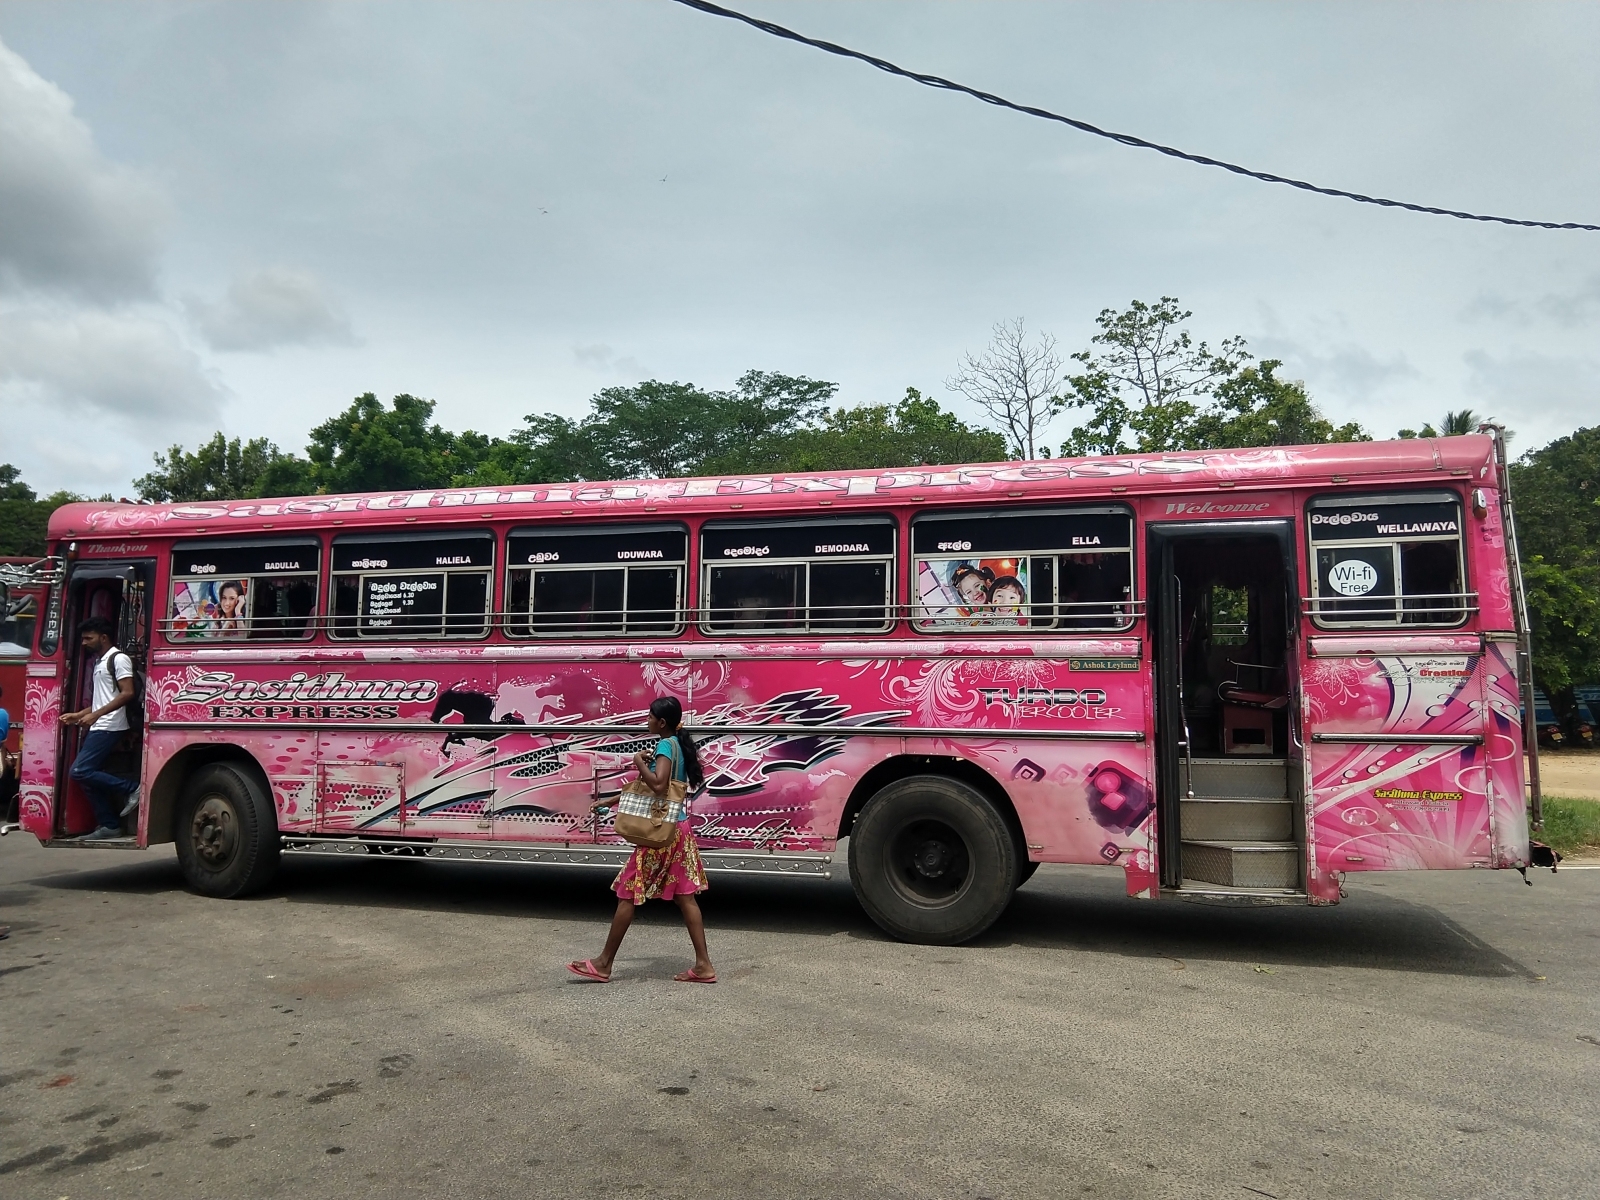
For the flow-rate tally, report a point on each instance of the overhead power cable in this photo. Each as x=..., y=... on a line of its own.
x=1126, y=139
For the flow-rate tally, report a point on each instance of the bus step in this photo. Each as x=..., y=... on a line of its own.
x=71, y=843
x=1260, y=778
x=1247, y=864
x=558, y=854
x=1216, y=893
x=1237, y=819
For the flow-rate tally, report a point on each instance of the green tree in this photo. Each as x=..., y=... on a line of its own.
x=1557, y=495
x=218, y=470
x=1253, y=407
x=1455, y=423
x=24, y=517
x=656, y=430
x=547, y=449
x=1143, y=379
x=916, y=432
x=11, y=485
x=1147, y=386
x=370, y=448
x=1564, y=621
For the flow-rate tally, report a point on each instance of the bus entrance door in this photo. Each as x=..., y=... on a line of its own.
x=118, y=592
x=1223, y=622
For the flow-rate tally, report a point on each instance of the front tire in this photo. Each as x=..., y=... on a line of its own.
x=227, y=832
x=932, y=860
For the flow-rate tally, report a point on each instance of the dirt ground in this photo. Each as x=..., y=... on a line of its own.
x=1574, y=773
x=405, y=1030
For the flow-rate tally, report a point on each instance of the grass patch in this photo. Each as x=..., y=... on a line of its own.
x=1571, y=827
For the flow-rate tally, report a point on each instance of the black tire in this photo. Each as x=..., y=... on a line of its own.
x=226, y=832
x=1025, y=872
x=932, y=860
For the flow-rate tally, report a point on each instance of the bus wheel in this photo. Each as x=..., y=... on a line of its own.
x=932, y=861
x=226, y=834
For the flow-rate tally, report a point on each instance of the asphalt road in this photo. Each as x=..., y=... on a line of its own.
x=405, y=1029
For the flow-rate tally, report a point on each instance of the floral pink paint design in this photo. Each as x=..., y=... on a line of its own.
x=1415, y=804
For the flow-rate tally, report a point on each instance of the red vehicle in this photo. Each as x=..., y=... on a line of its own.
x=19, y=611
x=1234, y=676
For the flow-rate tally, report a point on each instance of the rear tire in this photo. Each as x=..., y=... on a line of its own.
x=932, y=860
x=226, y=832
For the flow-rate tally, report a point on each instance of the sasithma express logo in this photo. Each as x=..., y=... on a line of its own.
x=224, y=686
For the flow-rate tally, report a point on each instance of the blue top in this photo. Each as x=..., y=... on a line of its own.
x=5, y=724
x=664, y=749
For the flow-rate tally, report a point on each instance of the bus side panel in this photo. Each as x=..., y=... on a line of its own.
x=41, y=721
x=1082, y=801
x=1508, y=812
x=1387, y=805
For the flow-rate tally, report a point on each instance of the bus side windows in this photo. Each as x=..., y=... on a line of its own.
x=593, y=580
x=817, y=576
x=1069, y=569
x=421, y=585
x=240, y=590
x=1388, y=560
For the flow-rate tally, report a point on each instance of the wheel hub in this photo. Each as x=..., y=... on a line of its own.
x=931, y=859
x=215, y=832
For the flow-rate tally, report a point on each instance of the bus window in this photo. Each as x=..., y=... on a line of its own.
x=1061, y=569
x=1387, y=560
x=767, y=576
x=237, y=590
x=595, y=580
x=17, y=622
x=412, y=585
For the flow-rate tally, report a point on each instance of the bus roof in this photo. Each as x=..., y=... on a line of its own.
x=1346, y=463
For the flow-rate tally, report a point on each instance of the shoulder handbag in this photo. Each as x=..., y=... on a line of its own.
x=648, y=818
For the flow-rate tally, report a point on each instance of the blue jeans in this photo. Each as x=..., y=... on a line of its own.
x=107, y=792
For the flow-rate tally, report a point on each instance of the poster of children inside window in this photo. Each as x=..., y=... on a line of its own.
x=211, y=608
x=988, y=592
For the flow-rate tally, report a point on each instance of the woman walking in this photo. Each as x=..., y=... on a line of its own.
x=673, y=872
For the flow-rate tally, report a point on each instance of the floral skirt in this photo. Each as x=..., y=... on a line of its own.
x=664, y=874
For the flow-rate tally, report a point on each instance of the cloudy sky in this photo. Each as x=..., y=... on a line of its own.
x=239, y=216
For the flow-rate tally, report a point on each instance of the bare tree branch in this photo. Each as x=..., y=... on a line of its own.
x=1014, y=382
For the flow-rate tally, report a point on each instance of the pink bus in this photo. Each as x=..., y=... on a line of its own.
x=1232, y=675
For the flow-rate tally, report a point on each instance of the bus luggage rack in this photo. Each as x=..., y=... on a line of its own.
x=559, y=854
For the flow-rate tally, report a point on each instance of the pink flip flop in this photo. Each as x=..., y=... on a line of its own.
x=690, y=977
x=587, y=970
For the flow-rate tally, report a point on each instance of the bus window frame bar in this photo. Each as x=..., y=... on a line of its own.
x=707, y=614
x=680, y=610
x=1054, y=605
x=333, y=618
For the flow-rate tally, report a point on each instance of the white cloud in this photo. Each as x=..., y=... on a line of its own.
x=274, y=307
x=1541, y=396
x=1573, y=307
x=70, y=221
x=1350, y=371
x=129, y=365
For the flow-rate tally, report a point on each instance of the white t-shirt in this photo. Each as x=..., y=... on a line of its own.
x=113, y=666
